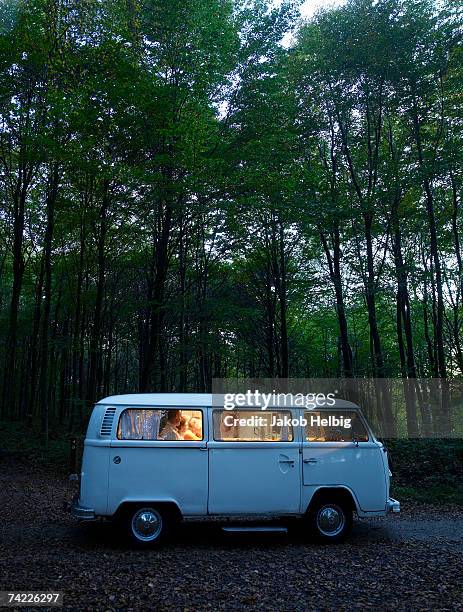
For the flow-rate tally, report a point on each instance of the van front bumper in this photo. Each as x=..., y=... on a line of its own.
x=392, y=505
x=81, y=512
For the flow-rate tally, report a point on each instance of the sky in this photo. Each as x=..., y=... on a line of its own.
x=310, y=6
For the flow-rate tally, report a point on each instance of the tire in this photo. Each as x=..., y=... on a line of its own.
x=147, y=526
x=329, y=521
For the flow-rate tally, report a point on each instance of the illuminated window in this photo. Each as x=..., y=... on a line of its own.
x=173, y=424
x=252, y=426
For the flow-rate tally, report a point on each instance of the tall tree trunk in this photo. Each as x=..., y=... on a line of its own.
x=64, y=371
x=52, y=192
x=94, y=368
x=182, y=335
x=459, y=292
x=445, y=425
x=364, y=197
x=34, y=341
x=334, y=265
x=9, y=378
x=157, y=307
x=76, y=333
x=384, y=400
x=279, y=273
x=269, y=320
x=283, y=304
x=407, y=356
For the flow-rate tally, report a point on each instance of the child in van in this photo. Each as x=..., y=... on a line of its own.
x=186, y=429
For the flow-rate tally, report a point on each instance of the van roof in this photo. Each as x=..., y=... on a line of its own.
x=190, y=399
x=159, y=399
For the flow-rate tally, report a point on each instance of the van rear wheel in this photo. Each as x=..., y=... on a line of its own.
x=147, y=526
x=329, y=521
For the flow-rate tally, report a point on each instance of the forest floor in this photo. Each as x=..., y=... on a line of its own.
x=405, y=562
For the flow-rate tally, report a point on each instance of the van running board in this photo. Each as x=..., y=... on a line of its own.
x=269, y=529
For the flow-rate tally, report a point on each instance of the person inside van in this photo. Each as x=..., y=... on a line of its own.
x=194, y=430
x=187, y=429
x=170, y=429
x=182, y=427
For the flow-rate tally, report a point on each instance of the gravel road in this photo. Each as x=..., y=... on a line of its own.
x=411, y=561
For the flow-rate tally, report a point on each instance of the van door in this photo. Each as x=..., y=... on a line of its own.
x=332, y=458
x=153, y=469
x=254, y=465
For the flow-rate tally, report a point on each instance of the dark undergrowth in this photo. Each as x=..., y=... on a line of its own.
x=428, y=470
x=423, y=470
x=23, y=441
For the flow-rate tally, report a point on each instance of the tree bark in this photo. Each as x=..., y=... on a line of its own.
x=434, y=250
x=334, y=265
x=94, y=368
x=52, y=193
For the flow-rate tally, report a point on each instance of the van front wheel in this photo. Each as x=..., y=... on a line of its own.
x=329, y=521
x=147, y=526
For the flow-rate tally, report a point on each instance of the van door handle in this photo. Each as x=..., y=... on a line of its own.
x=203, y=448
x=311, y=460
x=286, y=461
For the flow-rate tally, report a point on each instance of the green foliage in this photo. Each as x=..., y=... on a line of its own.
x=217, y=204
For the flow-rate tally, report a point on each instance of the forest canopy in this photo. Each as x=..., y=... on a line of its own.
x=185, y=197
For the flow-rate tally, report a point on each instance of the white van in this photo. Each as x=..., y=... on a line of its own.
x=151, y=460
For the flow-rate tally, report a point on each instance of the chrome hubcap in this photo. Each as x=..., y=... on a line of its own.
x=147, y=524
x=330, y=520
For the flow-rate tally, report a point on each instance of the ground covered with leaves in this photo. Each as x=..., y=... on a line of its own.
x=407, y=561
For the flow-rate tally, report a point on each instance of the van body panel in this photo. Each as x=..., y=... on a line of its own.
x=154, y=473
x=94, y=424
x=359, y=468
x=384, y=456
x=250, y=480
x=94, y=477
x=309, y=491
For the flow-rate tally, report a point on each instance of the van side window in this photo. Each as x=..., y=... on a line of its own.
x=334, y=426
x=160, y=424
x=252, y=426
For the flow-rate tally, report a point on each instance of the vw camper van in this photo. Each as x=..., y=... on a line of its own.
x=151, y=460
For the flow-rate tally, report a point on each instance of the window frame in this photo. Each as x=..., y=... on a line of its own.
x=329, y=411
x=159, y=441
x=252, y=409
